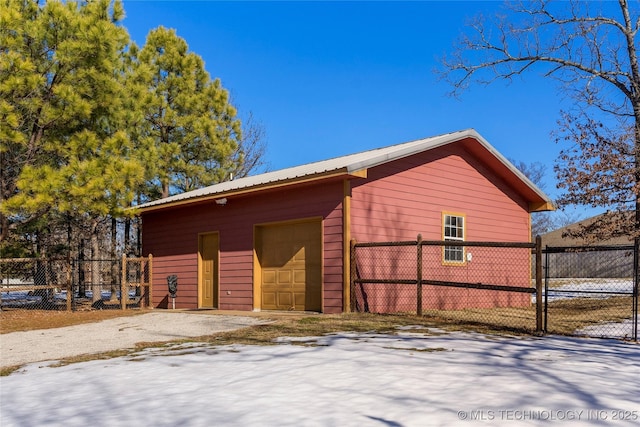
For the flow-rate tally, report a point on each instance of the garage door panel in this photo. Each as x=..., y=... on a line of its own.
x=290, y=259
x=284, y=278
x=300, y=299
x=299, y=255
x=269, y=277
x=285, y=299
x=269, y=298
x=299, y=276
x=279, y=256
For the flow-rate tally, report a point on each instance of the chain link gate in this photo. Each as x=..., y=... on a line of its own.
x=591, y=291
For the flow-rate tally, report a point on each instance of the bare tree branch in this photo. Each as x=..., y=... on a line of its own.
x=591, y=49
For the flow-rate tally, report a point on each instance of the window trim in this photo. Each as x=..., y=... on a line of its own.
x=452, y=262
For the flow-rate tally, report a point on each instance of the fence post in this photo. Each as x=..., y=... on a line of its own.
x=69, y=284
x=419, y=276
x=124, y=291
x=546, y=290
x=636, y=279
x=2, y=281
x=143, y=289
x=352, y=275
x=539, y=326
x=150, y=289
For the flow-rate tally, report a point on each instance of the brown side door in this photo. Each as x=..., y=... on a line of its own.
x=208, y=248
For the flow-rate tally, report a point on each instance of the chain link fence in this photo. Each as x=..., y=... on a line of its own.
x=60, y=284
x=29, y=283
x=591, y=291
x=505, y=286
x=486, y=283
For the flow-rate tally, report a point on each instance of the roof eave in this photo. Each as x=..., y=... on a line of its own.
x=541, y=206
x=543, y=202
x=343, y=172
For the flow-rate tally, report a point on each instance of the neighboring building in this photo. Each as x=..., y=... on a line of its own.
x=558, y=237
x=280, y=240
x=591, y=260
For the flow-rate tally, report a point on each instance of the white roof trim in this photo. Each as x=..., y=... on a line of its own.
x=351, y=163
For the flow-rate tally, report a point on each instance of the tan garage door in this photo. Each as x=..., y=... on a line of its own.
x=290, y=258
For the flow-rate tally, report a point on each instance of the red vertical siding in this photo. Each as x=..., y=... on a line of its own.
x=404, y=198
x=171, y=235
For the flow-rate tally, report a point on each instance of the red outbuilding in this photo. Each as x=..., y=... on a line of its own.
x=280, y=240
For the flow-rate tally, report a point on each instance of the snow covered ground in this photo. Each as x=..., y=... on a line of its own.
x=589, y=288
x=23, y=298
x=599, y=289
x=415, y=378
x=622, y=330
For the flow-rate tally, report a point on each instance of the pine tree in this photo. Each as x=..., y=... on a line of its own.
x=187, y=116
x=61, y=93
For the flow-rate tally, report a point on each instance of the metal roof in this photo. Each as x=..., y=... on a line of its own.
x=349, y=164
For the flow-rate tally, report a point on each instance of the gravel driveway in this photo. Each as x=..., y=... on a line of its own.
x=19, y=348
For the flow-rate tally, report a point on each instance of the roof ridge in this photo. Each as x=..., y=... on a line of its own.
x=371, y=151
x=349, y=164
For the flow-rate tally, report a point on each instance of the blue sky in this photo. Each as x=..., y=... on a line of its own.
x=332, y=78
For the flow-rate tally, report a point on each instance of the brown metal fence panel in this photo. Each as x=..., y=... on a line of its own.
x=486, y=283
x=60, y=284
x=385, y=279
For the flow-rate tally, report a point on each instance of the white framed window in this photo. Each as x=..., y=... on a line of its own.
x=453, y=229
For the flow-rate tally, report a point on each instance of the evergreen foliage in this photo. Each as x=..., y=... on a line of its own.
x=187, y=116
x=92, y=125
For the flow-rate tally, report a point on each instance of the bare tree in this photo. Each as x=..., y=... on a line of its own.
x=591, y=50
x=543, y=222
x=249, y=157
x=597, y=170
